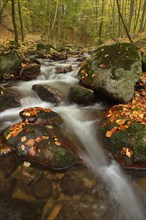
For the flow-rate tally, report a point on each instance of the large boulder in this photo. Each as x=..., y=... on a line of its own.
x=113, y=70
x=9, y=64
x=41, y=145
x=123, y=132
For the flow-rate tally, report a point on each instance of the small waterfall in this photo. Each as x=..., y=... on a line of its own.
x=121, y=189
x=119, y=186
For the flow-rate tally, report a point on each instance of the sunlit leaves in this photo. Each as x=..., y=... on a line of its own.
x=126, y=151
x=124, y=114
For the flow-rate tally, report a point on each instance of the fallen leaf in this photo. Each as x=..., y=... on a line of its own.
x=23, y=139
x=120, y=121
x=58, y=143
x=108, y=134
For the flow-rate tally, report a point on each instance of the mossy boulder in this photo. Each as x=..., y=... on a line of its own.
x=82, y=95
x=113, y=70
x=44, y=47
x=9, y=63
x=123, y=133
x=43, y=145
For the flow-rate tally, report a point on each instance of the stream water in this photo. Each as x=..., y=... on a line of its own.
x=123, y=190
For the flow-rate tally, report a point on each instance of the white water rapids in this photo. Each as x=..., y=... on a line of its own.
x=122, y=190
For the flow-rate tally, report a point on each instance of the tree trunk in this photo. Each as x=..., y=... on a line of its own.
x=21, y=21
x=141, y=29
x=101, y=23
x=2, y=8
x=129, y=37
x=14, y=21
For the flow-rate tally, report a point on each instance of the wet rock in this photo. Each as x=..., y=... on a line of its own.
x=47, y=94
x=18, y=209
x=9, y=65
x=44, y=47
x=58, y=56
x=23, y=193
x=41, y=145
x=123, y=133
x=8, y=99
x=113, y=70
x=43, y=188
x=63, y=69
x=5, y=148
x=82, y=95
x=41, y=116
x=27, y=175
x=8, y=164
x=72, y=185
x=6, y=184
x=77, y=210
x=30, y=70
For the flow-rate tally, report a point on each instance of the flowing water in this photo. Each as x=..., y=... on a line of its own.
x=122, y=189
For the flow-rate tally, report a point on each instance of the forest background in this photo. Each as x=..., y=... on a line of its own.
x=77, y=22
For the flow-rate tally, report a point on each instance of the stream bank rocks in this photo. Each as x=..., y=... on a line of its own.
x=82, y=95
x=113, y=70
x=39, y=140
x=123, y=132
x=8, y=99
x=48, y=94
x=13, y=66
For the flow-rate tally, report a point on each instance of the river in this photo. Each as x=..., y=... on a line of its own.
x=124, y=190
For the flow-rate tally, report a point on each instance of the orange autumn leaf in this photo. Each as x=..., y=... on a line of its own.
x=38, y=139
x=23, y=139
x=32, y=151
x=104, y=124
x=102, y=65
x=30, y=142
x=108, y=134
x=128, y=152
x=58, y=143
x=120, y=121
x=8, y=136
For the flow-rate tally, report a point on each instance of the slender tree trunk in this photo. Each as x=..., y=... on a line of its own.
x=141, y=29
x=131, y=14
x=14, y=21
x=59, y=25
x=55, y=15
x=2, y=8
x=49, y=20
x=137, y=17
x=21, y=21
x=101, y=22
x=129, y=37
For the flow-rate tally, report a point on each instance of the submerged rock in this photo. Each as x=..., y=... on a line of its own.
x=8, y=99
x=47, y=94
x=113, y=70
x=82, y=95
x=40, y=144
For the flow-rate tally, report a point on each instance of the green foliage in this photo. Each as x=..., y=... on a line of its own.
x=78, y=22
